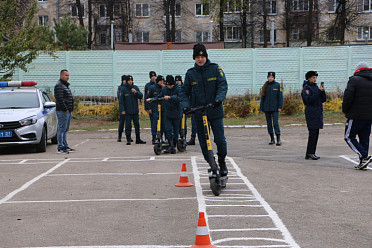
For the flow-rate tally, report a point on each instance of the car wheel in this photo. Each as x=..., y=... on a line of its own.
x=54, y=140
x=41, y=147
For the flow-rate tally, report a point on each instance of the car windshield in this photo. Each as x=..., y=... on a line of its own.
x=14, y=100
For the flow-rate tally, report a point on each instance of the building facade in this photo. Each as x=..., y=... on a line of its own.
x=286, y=21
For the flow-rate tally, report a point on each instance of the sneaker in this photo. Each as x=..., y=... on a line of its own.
x=364, y=162
x=68, y=149
x=62, y=151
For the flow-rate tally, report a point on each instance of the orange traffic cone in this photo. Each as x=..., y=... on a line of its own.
x=202, y=239
x=184, y=179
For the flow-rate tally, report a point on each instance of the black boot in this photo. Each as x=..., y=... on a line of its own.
x=119, y=136
x=173, y=148
x=223, y=167
x=128, y=139
x=272, y=141
x=169, y=148
x=153, y=139
x=138, y=140
x=191, y=142
x=278, y=142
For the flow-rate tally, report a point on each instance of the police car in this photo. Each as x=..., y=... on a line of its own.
x=27, y=115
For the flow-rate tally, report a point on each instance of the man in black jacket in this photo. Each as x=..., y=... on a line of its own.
x=64, y=107
x=357, y=106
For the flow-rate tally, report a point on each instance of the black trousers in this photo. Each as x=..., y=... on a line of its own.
x=312, y=141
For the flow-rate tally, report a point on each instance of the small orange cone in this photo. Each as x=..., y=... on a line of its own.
x=184, y=179
x=202, y=239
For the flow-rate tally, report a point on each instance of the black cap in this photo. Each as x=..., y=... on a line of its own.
x=309, y=74
x=271, y=73
x=129, y=77
x=169, y=80
x=159, y=78
x=178, y=78
x=152, y=73
x=199, y=50
x=124, y=77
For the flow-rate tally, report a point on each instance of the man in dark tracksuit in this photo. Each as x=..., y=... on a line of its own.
x=205, y=83
x=172, y=113
x=130, y=96
x=121, y=115
x=357, y=106
x=272, y=103
x=152, y=75
x=313, y=98
x=154, y=92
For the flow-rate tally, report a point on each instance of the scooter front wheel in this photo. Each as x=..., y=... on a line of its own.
x=157, y=149
x=215, y=186
x=181, y=145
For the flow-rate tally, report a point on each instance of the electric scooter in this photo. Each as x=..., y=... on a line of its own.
x=216, y=181
x=159, y=145
x=181, y=143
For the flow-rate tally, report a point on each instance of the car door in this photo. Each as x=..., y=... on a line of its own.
x=50, y=117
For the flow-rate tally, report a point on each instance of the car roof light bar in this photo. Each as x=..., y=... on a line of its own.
x=17, y=83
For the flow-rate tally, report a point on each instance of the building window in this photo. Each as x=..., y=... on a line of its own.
x=177, y=36
x=75, y=10
x=42, y=1
x=363, y=33
x=270, y=5
x=300, y=5
x=142, y=10
x=261, y=36
x=365, y=5
x=118, y=35
x=143, y=37
x=298, y=34
x=201, y=36
x=233, y=6
x=102, y=10
x=177, y=10
x=117, y=10
x=201, y=9
x=43, y=21
x=102, y=39
x=232, y=34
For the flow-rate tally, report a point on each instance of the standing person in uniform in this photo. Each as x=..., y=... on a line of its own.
x=272, y=104
x=204, y=84
x=64, y=108
x=152, y=75
x=313, y=98
x=178, y=79
x=154, y=92
x=173, y=112
x=357, y=106
x=130, y=96
x=121, y=115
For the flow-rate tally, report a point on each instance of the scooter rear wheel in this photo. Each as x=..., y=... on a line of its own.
x=181, y=145
x=215, y=186
x=157, y=149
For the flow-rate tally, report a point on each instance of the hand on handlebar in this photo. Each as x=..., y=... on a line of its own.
x=186, y=110
x=216, y=103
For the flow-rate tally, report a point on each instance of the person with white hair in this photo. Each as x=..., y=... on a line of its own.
x=357, y=106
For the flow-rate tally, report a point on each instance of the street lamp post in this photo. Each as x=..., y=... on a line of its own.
x=130, y=35
x=366, y=34
x=112, y=34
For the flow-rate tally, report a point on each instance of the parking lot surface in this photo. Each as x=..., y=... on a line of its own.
x=108, y=194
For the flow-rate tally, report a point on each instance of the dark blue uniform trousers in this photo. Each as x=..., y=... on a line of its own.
x=218, y=133
x=172, y=127
x=128, y=124
x=121, y=123
x=155, y=116
x=272, y=118
x=362, y=128
x=154, y=122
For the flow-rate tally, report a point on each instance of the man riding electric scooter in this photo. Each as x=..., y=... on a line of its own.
x=206, y=84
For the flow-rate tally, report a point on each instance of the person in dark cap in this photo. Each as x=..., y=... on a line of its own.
x=121, y=115
x=272, y=104
x=172, y=112
x=178, y=80
x=313, y=98
x=357, y=106
x=154, y=92
x=205, y=83
x=152, y=76
x=130, y=96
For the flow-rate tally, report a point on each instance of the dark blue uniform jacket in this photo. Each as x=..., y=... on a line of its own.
x=154, y=92
x=172, y=106
x=130, y=100
x=147, y=87
x=313, y=99
x=273, y=99
x=203, y=85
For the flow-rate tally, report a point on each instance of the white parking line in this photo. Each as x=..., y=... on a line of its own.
x=351, y=160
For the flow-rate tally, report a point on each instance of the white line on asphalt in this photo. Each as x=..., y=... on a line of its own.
x=274, y=216
x=244, y=229
x=85, y=141
x=29, y=183
x=105, y=159
x=119, y=246
x=152, y=158
x=266, y=239
x=115, y=174
x=100, y=200
x=23, y=161
x=250, y=206
x=237, y=216
x=351, y=160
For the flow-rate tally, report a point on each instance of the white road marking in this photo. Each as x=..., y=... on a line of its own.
x=353, y=161
x=28, y=184
x=23, y=161
x=85, y=141
x=114, y=174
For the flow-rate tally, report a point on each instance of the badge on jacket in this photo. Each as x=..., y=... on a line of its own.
x=307, y=92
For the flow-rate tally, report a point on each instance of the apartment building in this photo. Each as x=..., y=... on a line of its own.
x=286, y=22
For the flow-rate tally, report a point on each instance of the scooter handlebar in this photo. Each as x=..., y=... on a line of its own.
x=193, y=110
x=157, y=99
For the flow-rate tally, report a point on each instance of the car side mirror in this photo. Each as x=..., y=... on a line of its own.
x=49, y=105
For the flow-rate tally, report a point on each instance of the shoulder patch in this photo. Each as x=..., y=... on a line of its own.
x=221, y=71
x=307, y=92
